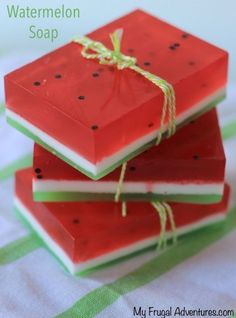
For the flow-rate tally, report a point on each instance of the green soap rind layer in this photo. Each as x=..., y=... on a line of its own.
x=116, y=260
x=40, y=242
x=106, y=171
x=78, y=196
x=217, y=224
x=28, y=133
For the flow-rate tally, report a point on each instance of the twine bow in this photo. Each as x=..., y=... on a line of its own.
x=103, y=54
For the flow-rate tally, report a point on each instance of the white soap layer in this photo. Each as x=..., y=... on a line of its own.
x=100, y=166
x=127, y=187
x=79, y=267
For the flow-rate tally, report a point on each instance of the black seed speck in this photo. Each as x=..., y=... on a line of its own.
x=76, y=221
x=196, y=157
x=132, y=168
x=172, y=47
x=94, y=127
x=176, y=44
x=185, y=35
x=95, y=74
x=37, y=83
x=39, y=176
x=150, y=124
x=58, y=76
x=37, y=170
x=81, y=97
x=146, y=63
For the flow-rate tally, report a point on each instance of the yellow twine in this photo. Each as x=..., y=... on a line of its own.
x=172, y=220
x=119, y=188
x=164, y=210
x=120, y=183
x=163, y=220
x=124, y=209
x=115, y=57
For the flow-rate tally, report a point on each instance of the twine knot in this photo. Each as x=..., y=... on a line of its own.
x=103, y=54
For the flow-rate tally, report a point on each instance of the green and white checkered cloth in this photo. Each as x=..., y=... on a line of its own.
x=199, y=272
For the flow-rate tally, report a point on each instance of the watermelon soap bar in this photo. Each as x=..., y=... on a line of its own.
x=95, y=116
x=189, y=167
x=84, y=235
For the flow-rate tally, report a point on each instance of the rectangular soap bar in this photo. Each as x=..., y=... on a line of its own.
x=84, y=235
x=95, y=116
x=189, y=167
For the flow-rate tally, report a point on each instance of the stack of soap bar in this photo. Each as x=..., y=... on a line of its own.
x=94, y=116
x=87, y=119
x=77, y=232
x=189, y=167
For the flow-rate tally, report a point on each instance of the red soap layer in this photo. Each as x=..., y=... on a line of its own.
x=87, y=230
x=194, y=153
x=122, y=104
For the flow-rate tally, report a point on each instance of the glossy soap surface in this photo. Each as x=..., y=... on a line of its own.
x=194, y=154
x=97, y=110
x=88, y=230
